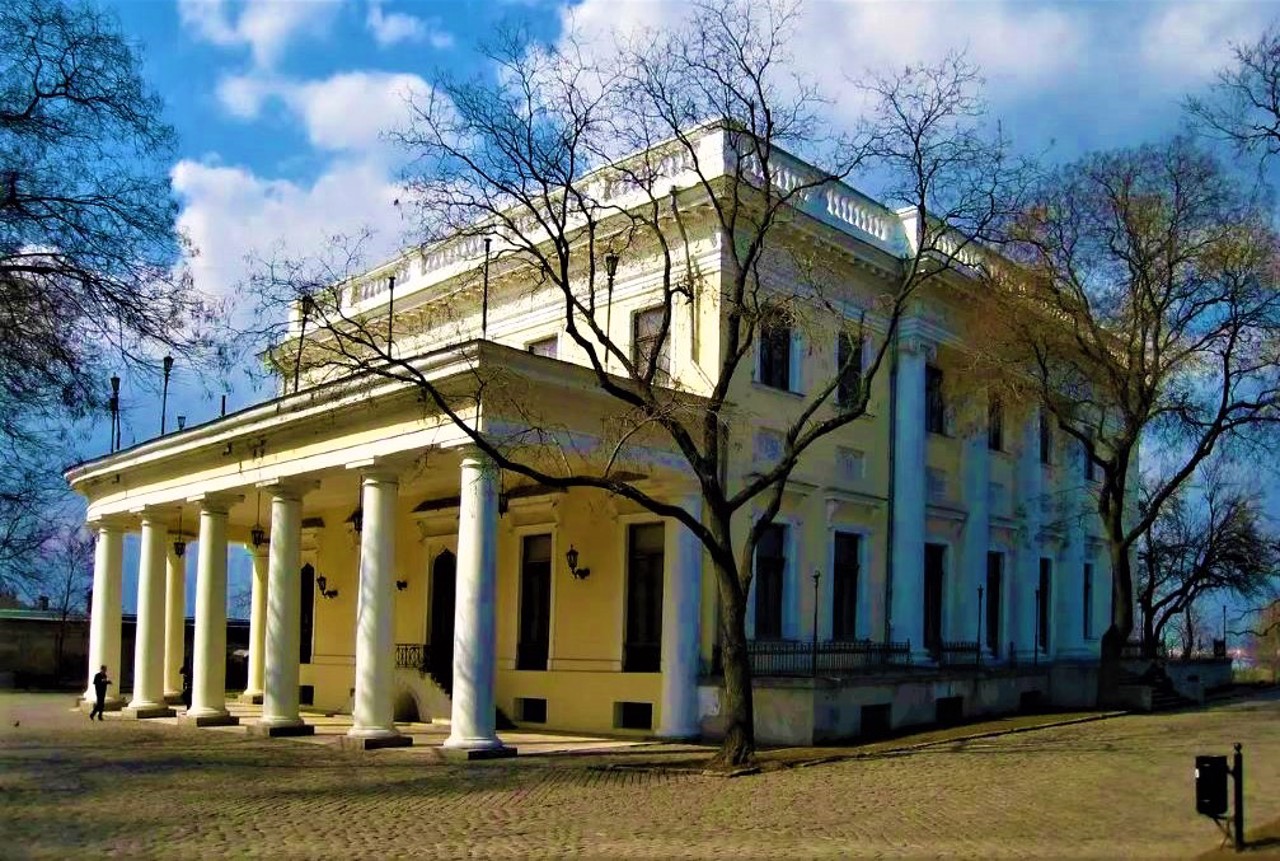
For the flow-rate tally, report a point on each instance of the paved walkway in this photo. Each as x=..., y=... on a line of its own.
x=1114, y=788
x=428, y=738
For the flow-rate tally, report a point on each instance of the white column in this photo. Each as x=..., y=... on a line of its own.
x=681, y=610
x=148, y=654
x=977, y=541
x=909, y=487
x=375, y=611
x=1022, y=610
x=209, y=654
x=473, y=627
x=104, y=621
x=1068, y=576
x=257, y=626
x=175, y=622
x=284, y=627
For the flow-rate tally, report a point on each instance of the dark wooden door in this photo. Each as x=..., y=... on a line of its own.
x=533, y=644
x=307, y=613
x=934, y=570
x=444, y=573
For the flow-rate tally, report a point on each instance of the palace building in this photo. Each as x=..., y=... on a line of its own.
x=934, y=560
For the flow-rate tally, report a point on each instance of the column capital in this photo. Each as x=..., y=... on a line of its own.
x=477, y=458
x=288, y=488
x=107, y=523
x=216, y=503
x=375, y=471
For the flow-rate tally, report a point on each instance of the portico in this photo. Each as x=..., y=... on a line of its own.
x=349, y=568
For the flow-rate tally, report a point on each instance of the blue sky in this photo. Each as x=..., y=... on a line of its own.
x=279, y=104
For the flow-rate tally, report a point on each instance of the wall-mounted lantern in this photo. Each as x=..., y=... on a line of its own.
x=179, y=543
x=572, y=558
x=322, y=584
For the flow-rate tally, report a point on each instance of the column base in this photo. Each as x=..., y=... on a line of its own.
x=471, y=754
x=146, y=711
x=375, y=742
x=280, y=730
x=173, y=698
x=679, y=735
x=208, y=719
x=253, y=698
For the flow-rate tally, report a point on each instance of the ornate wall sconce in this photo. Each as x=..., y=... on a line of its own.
x=322, y=584
x=401, y=585
x=179, y=543
x=572, y=558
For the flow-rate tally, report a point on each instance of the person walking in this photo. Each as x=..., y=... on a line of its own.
x=100, y=682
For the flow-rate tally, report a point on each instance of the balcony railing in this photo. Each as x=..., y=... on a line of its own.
x=832, y=659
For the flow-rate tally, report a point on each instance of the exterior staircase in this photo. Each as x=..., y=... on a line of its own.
x=1160, y=695
x=417, y=657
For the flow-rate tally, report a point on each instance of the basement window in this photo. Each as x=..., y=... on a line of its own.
x=628, y=715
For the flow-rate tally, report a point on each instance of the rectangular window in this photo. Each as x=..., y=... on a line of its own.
x=844, y=586
x=1043, y=596
x=642, y=644
x=307, y=615
x=535, y=603
x=935, y=407
x=935, y=557
x=995, y=588
x=1046, y=439
x=771, y=563
x=849, y=368
x=995, y=424
x=1088, y=601
x=648, y=340
x=544, y=347
x=775, y=356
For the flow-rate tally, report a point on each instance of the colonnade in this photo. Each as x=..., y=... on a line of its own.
x=967, y=562
x=275, y=629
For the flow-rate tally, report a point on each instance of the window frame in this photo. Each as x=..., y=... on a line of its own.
x=553, y=340
x=662, y=369
x=771, y=344
x=758, y=598
x=849, y=380
x=935, y=403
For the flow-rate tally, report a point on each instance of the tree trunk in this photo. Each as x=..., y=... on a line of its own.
x=738, y=748
x=1149, y=636
x=1110, y=672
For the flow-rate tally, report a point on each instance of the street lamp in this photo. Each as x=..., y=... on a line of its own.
x=610, y=270
x=813, y=670
x=164, y=395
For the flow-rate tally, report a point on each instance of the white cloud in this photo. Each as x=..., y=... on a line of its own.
x=349, y=111
x=266, y=27
x=1085, y=74
x=1187, y=43
x=231, y=213
x=392, y=28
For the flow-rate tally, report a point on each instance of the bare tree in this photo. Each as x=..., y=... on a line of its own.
x=1143, y=312
x=1210, y=537
x=88, y=245
x=533, y=167
x=1243, y=105
x=61, y=579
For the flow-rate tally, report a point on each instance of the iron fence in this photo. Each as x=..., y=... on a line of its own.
x=834, y=659
x=961, y=653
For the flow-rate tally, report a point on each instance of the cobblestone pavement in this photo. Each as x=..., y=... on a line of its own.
x=1114, y=788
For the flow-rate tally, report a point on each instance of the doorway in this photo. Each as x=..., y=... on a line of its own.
x=444, y=574
x=934, y=570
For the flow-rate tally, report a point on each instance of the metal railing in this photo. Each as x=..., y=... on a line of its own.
x=962, y=653
x=413, y=656
x=834, y=659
